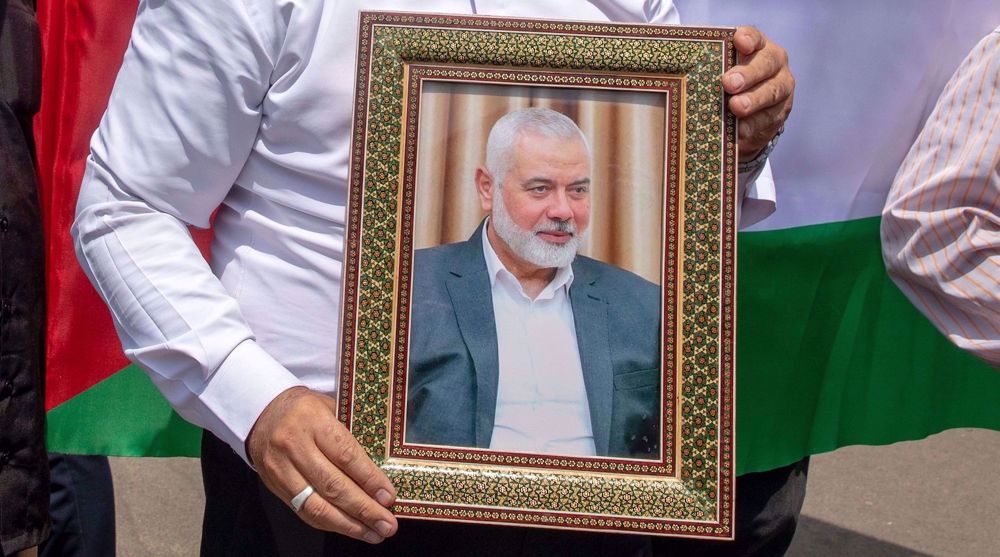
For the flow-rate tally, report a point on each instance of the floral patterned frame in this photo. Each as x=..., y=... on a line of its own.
x=690, y=491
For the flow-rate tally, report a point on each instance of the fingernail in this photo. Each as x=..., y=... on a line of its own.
x=372, y=537
x=744, y=130
x=744, y=101
x=383, y=497
x=384, y=528
x=736, y=81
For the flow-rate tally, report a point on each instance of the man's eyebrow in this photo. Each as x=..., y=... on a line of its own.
x=547, y=181
x=536, y=180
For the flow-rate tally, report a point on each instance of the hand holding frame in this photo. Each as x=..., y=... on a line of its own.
x=296, y=442
x=762, y=89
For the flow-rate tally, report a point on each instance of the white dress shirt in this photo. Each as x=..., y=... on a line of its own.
x=542, y=405
x=941, y=224
x=243, y=106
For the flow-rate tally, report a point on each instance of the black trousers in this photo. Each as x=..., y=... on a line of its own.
x=82, y=507
x=243, y=518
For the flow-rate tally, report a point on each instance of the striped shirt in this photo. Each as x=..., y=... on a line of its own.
x=941, y=222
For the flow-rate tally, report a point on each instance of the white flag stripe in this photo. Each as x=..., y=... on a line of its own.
x=867, y=74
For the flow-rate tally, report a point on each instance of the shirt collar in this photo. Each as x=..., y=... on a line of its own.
x=496, y=268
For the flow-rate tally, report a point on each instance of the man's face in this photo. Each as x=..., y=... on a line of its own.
x=543, y=208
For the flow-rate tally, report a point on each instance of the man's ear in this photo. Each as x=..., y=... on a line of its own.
x=486, y=188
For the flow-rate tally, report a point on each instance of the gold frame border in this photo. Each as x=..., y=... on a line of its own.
x=699, y=502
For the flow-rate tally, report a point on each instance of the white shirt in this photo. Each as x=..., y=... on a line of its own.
x=244, y=106
x=542, y=405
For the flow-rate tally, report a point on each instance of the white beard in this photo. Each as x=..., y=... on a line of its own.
x=527, y=245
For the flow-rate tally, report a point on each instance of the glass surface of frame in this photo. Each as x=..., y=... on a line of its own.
x=648, y=100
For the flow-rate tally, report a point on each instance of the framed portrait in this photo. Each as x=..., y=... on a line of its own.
x=539, y=281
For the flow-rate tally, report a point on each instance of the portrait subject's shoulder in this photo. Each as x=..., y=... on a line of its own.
x=634, y=308
x=615, y=280
x=436, y=256
x=434, y=265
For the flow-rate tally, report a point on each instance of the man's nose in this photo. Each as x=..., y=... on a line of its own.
x=559, y=208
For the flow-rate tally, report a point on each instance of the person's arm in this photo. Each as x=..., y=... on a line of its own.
x=941, y=222
x=761, y=89
x=180, y=124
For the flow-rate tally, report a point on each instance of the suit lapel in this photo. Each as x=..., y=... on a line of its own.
x=590, y=314
x=469, y=288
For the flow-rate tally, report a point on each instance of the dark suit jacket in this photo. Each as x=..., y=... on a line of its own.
x=24, y=480
x=452, y=389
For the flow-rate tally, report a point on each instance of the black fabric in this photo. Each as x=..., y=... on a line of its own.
x=24, y=490
x=767, y=512
x=443, y=539
x=243, y=518
x=82, y=507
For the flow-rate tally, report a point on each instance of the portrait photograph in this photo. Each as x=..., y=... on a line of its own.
x=492, y=366
x=540, y=278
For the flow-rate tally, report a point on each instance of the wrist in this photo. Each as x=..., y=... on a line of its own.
x=758, y=160
x=276, y=407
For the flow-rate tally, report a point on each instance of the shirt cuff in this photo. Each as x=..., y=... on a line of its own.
x=236, y=394
x=757, y=197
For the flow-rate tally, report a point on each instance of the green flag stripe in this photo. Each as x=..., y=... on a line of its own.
x=124, y=415
x=829, y=354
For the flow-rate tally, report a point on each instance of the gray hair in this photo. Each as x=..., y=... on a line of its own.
x=541, y=121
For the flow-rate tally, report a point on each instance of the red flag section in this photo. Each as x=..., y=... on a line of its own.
x=82, y=47
x=83, y=42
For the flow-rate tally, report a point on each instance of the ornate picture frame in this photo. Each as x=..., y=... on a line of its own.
x=687, y=488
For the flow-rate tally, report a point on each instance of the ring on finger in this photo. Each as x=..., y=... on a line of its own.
x=300, y=499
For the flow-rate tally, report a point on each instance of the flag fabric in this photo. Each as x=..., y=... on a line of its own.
x=96, y=403
x=829, y=352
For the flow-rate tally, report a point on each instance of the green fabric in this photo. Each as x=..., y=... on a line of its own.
x=124, y=415
x=829, y=353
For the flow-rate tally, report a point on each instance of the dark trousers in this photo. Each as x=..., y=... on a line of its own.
x=243, y=518
x=82, y=506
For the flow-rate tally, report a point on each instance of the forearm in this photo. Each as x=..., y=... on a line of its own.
x=173, y=316
x=181, y=121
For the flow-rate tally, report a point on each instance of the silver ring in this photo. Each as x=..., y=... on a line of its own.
x=300, y=499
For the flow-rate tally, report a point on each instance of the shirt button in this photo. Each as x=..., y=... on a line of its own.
x=4, y=224
x=6, y=389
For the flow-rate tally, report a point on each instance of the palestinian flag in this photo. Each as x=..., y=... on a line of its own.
x=829, y=354
x=96, y=402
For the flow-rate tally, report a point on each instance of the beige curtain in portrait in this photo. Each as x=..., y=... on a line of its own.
x=625, y=130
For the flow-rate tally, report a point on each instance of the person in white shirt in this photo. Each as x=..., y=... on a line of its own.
x=566, y=358
x=241, y=109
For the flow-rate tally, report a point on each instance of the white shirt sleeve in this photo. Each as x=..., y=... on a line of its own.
x=757, y=196
x=182, y=118
x=661, y=12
